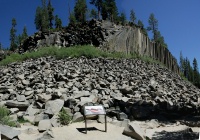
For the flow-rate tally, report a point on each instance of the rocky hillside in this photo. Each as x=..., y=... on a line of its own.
x=37, y=90
x=127, y=88
x=104, y=34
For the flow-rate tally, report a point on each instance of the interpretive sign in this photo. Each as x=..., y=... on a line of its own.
x=94, y=110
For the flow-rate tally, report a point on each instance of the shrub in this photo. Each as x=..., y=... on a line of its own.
x=22, y=120
x=64, y=117
x=4, y=117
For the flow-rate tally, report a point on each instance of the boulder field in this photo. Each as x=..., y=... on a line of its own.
x=37, y=90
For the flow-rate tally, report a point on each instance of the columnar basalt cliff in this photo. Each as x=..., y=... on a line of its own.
x=132, y=40
x=106, y=35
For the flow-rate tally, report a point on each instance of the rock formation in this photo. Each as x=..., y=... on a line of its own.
x=108, y=36
x=127, y=88
x=36, y=90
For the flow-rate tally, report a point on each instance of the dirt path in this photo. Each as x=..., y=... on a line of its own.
x=76, y=131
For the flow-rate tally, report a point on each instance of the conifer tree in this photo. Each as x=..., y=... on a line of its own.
x=98, y=4
x=58, y=22
x=72, y=18
x=196, y=73
x=160, y=39
x=141, y=25
x=80, y=10
x=50, y=14
x=22, y=37
x=13, y=31
x=123, y=18
x=93, y=14
x=153, y=25
x=24, y=33
x=109, y=10
x=41, y=17
x=132, y=16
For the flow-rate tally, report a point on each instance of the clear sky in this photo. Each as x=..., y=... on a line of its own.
x=178, y=20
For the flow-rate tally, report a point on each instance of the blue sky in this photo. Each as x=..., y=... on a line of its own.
x=178, y=20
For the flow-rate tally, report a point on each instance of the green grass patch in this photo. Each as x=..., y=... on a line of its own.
x=5, y=119
x=75, y=51
x=22, y=120
x=64, y=117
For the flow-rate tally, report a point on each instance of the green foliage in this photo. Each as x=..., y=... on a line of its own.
x=50, y=14
x=153, y=25
x=160, y=39
x=22, y=120
x=76, y=51
x=141, y=25
x=4, y=117
x=80, y=10
x=13, y=37
x=132, y=16
x=188, y=72
x=93, y=14
x=72, y=18
x=98, y=4
x=42, y=17
x=109, y=10
x=123, y=18
x=64, y=117
x=22, y=37
x=58, y=22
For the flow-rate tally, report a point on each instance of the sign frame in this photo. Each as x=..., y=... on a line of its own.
x=94, y=110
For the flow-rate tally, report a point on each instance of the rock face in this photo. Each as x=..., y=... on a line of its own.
x=74, y=34
x=8, y=132
x=108, y=36
x=2, y=54
x=127, y=88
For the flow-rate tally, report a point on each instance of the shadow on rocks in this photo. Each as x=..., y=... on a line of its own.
x=187, y=134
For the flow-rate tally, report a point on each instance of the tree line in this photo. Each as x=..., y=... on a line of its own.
x=190, y=71
x=45, y=19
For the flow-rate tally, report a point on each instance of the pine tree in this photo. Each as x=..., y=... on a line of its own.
x=50, y=14
x=153, y=25
x=45, y=16
x=22, y=37
x=181, y=63
x=38, y=19
x=80, y=10
x=24, y=33
x=141, y=25
x=72, y=18
x=123, y=18
x=196, y=73
x=13, y=31
x=58, y=22
x=109, y=10
x=93, y=14
x=132, y=16
x=160, y=39
x=41, y=17
x=98, y=4
x=1, y=46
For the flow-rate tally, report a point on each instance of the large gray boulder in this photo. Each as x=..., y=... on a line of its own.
x=134, y=131
x=54, y=106
x=16, y=104
x=44, y=125
x=8, y=132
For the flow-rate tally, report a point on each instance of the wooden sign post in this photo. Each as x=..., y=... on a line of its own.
x=94, y=110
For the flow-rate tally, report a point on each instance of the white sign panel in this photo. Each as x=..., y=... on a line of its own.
x=94, y=110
